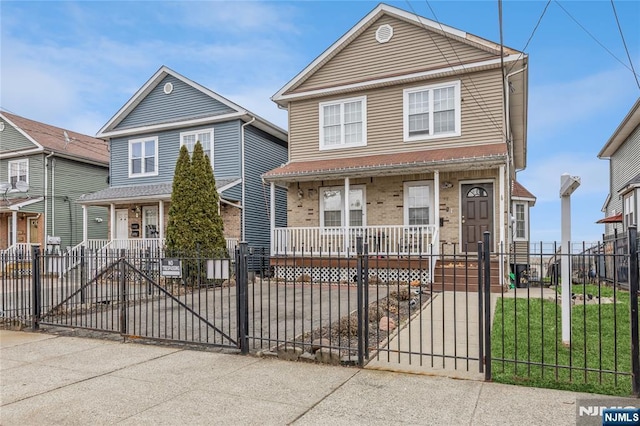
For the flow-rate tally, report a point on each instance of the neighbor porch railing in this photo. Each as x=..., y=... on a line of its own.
x=389, y=239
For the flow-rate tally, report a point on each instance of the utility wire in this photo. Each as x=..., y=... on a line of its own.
x=592, y=36
x=531, y=36
x=613, y=6
x=489, y=116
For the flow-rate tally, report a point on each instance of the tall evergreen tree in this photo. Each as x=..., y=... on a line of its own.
x=208, y=229
x=179, y=239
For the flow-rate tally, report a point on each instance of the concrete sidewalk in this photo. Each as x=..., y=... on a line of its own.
x=51, y=379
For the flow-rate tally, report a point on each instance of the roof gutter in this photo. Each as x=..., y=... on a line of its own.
x=242, y=176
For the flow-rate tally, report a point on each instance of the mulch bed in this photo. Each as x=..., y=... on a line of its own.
x=342, y=334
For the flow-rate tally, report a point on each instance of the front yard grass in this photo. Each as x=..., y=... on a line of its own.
x=527, y=346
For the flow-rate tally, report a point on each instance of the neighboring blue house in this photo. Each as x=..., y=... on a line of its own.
x=145, y=137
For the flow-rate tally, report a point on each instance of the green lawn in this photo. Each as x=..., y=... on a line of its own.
x=530, y=331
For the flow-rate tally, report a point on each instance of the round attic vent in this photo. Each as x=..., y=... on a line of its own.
x=168, y=88
x=384, y=33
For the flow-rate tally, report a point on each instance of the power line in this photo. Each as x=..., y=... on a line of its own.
x=489, y=116
x=531, y=36
x=592, y=36
x=613, y=6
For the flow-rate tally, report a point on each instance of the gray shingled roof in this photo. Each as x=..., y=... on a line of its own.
x=123, y=193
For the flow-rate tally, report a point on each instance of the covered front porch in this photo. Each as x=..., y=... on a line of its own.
x=138, y=218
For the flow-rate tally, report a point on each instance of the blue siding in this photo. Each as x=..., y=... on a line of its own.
x=184, y=102
x=226, y=154
x=263, y=152
x=234, y=193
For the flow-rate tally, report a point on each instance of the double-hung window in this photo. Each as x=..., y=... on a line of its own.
x=18, y=172
x=629, y=210
x=417, y=203
x=432, y=111
x=521, y=221
x=332, y=212
x=143, y=157
x=150, y=221
x=204, y=136
x=343, y=123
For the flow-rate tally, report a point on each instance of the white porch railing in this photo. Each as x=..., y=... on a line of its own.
x=386, y=240
x=21, y=249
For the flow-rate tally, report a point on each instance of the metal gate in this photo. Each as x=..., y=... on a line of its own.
x=374, y=309
x=130, y=296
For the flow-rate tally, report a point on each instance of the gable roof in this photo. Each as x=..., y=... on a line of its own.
x=48, y=138
x=283, y=94
x=626, y=127
x=239, y=112
x=519, y=192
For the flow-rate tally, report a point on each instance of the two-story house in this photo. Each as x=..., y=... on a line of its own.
x=145, y=137
x=43, y=171
x=623, y=152
x=407, y=132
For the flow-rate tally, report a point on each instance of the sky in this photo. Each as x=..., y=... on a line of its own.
x=75, y=64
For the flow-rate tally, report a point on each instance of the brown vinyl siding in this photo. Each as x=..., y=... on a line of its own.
x=481, y=119
x=411, y=49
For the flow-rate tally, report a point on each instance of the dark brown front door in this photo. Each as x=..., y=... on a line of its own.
x=477, y=213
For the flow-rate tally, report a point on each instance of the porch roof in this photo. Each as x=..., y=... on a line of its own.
x=445, y=159
x=154, y=192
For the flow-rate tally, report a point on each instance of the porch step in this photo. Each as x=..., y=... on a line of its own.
x=462, y=275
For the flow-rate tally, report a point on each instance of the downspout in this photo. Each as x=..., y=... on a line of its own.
x=244, y=207
x=53, y=196
x=46, y=196
x=510, y=164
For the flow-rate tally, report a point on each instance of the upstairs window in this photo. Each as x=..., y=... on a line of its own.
x=432, y=111
x=18, y=172
x=343, y=123
x=204, y=136
x=143, y=157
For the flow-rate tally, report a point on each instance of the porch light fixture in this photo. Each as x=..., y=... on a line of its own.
x=136, y=210
x=300, y=193
x=98, y=219
x=447, y=185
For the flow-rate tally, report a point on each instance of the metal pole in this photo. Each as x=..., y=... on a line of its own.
x=632, y=243
x=82, y=275
x=242, y=284
x=35, y=280
x=123, y=294
x=480, y=311
x=568, y=184
x=365, y=279
x=361, y=330
x=487, y=305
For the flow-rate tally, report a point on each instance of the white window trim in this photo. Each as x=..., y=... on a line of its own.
x=405, y=207
x=341, y=102
x=526, y=221
x=405, y=112
x=628, y=208
x=11, y=162
x=342, y=217
x=141, y=140
x=196, y=132
x=144, y=220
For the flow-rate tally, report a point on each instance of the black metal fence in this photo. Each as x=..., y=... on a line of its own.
x=482, y=311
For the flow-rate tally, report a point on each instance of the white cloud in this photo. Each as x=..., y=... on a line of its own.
x=565, y=103
x=543, y=178
x=238, y=16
